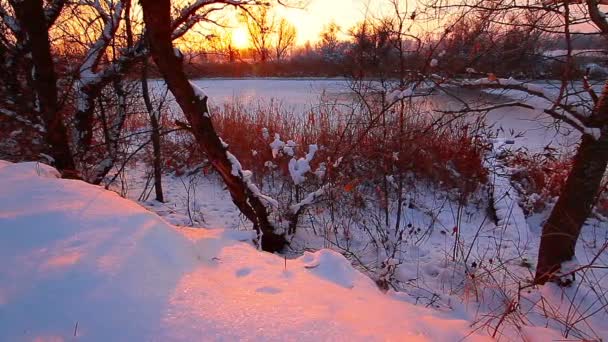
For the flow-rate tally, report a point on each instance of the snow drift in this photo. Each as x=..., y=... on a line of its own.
x=81, y=263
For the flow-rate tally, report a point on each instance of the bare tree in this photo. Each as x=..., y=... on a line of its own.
x=194, y=105
x=562, y=229
x=89, y=83
x=582, y=109
x=285, y=38
x=329, y=43
x=260, y=25
x=222, y=45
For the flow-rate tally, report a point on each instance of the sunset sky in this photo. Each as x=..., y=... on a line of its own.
x=310, y=20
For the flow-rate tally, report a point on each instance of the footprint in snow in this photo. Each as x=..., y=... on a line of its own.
x=268, y=290
x=243, y=272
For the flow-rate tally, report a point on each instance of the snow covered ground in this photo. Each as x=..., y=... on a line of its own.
x=454, y=259
x=81, y=263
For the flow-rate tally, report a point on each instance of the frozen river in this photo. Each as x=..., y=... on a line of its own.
x=300, y=95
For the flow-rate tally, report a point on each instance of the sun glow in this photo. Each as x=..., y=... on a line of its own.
x=240, y=38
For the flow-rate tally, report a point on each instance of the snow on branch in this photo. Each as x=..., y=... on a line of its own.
x=399, y=94
x=202, y=96
x=183, y=28
x=17, y=117
x=128, y=56
x=298, y=168
x=120, y=65
x=246, y=175
x=277, y=145
x=9, y=21
x=93, y=56
x=310, y=199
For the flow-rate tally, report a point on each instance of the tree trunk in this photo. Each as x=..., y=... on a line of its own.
x=561, y=231
x=83, y=123
x=111, y=130
x=155, y=134
x=158, y=26
x=30, y=14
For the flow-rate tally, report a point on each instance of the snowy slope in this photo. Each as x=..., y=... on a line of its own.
x=81, y=263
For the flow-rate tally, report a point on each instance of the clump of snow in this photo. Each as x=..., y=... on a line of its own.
x=393, y=95
x=338, y=162
x=334, y=267
x=594, y=132
x=596, y=70
x=298, y=168
x=399, y=94
x=289, y=148
x=321, y=170
x=277, y=145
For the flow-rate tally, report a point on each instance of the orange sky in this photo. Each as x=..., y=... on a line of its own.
x=310, y=20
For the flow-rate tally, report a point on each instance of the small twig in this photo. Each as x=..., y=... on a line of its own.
x=183, y=125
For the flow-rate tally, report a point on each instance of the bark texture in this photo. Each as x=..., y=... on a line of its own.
x=31, y=17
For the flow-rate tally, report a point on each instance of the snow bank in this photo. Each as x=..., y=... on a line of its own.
x=28, y=169
x=80, y=263
x=334, y=267
x=506, y=199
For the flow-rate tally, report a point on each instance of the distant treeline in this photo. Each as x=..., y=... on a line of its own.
x=473, y=46
x=286, y=68
x=514, y=53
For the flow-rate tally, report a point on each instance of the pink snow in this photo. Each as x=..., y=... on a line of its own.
x=76, y=259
